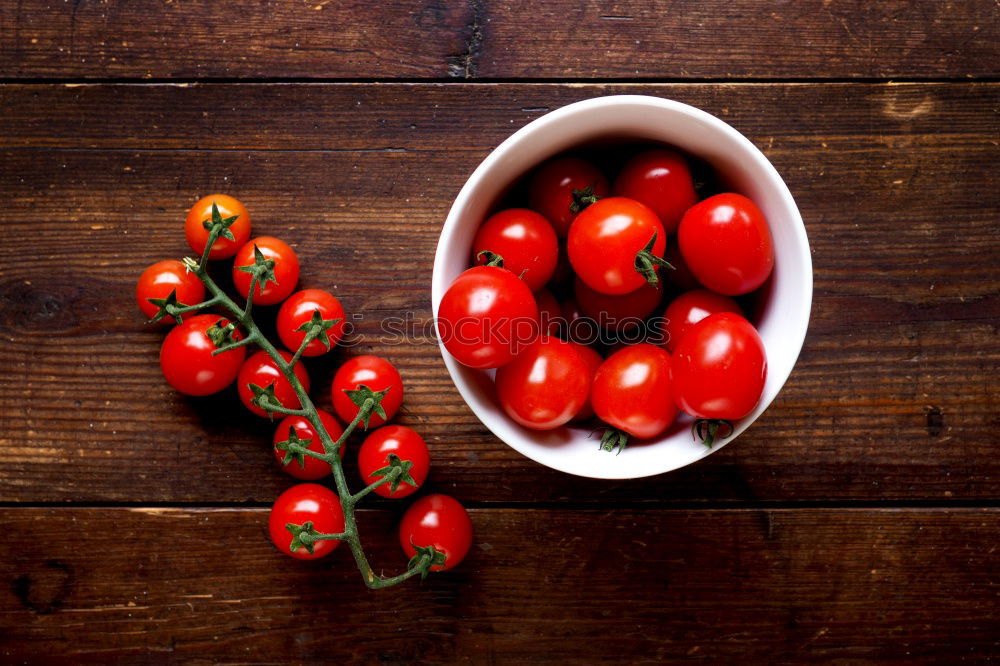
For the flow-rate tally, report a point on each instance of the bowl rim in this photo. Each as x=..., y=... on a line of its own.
x=439, y=282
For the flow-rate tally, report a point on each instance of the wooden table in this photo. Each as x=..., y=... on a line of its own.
x=857, y=520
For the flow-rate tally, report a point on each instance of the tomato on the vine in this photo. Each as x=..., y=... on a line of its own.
x=691, y=307
x=310, y=469
x=404, y=443
x=306, y=502
x=261, y=370
x=607, y=245
x=163, y=277
x=286, y=270
x=618, y=312
x=526, y=242
x=593, y=361
x=438, y=521
x=377, y=374
x=563, y=187
x=186, y=357
x=298, y=311
x=486, y=317
x=660, y=179
x=545, y=386
x=200, y=213
x=632, y=391
x=726, y=243
x=719, y=368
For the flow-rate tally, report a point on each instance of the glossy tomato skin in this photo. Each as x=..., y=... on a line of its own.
x=299, y=309
x=313, y=469
x=618, y=312
x=726, y=243
x=163, y=277
x=660, y=179
x=486, y=317
x=604, y=240
x=691, y=307
x=197, y=234
x=545, y=386
x=405, y=443
x=286, y=270
x=439, y=521
x=377, y=374
x=719, y=368
x=525, y=240
x=187, y=362
x=550, y=316
x=261, y=370
x=593, y=361
x=551, y=189
x=303, y=503
x=632, y=391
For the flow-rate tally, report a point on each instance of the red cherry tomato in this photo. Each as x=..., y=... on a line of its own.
x=726, y=243
x=691, y=307
x=438, y=521
x=632, y=391
x=286, y=270
x=681, y=277
x=405, y=443
x=299, y=309
x=187, y=362
x=545, y=386
x=719, y=368
x=486, y=317
x=311, y=468
x=306, y=502
x=549, y=314
x=618, y=313
x=163, y=277
x=593, y=361
x=261, y=370
x=526, y=242
x=197, y=233
x=662, y=180
x=377, y=374
x=559, y=190
x=605, y=239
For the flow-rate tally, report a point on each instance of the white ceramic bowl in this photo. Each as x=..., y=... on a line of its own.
x=782, y=315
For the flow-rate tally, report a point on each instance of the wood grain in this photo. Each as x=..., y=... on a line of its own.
x=633, y=39
x=895, y=395
x=783, y=586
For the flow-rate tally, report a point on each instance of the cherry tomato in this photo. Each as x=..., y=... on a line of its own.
x=187, y=362
x=726, y=243
x=549, y=314
x=632, y=391
x=593, y=361
x=377, y=374
x=719, y=368
x=691, y=307
x=563, y=187
x=486, y=317
x=605, y=240
x=681, y=277
x=163, y=277
x=306, y=502
x=660, y=179
x=311, y=468
x=545, y=386
x=298, y=310
x=261, y=370
x=197, y=233
x=438, y=521
x=618, y=313
x=286, y=270
x=405, y=443
x=526, y=242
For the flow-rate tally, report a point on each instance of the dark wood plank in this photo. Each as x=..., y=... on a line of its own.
x=475, y=39
x=914, y=586
x=894, y=396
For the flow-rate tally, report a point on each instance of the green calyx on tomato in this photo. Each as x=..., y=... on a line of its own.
x=168, y=307
x=220, y=223
x=425, y=558
x=646, y=262
x=316, y=329
x=295, y=448
x=583, y=198
x=401, y=476
x=265, y=399
x=613, y=438
x=262, y=268
x=369, y=402
x=221, y=335
x=707, y=430
x=492, y=258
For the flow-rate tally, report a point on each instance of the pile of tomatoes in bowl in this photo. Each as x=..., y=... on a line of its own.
x=616, y=289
